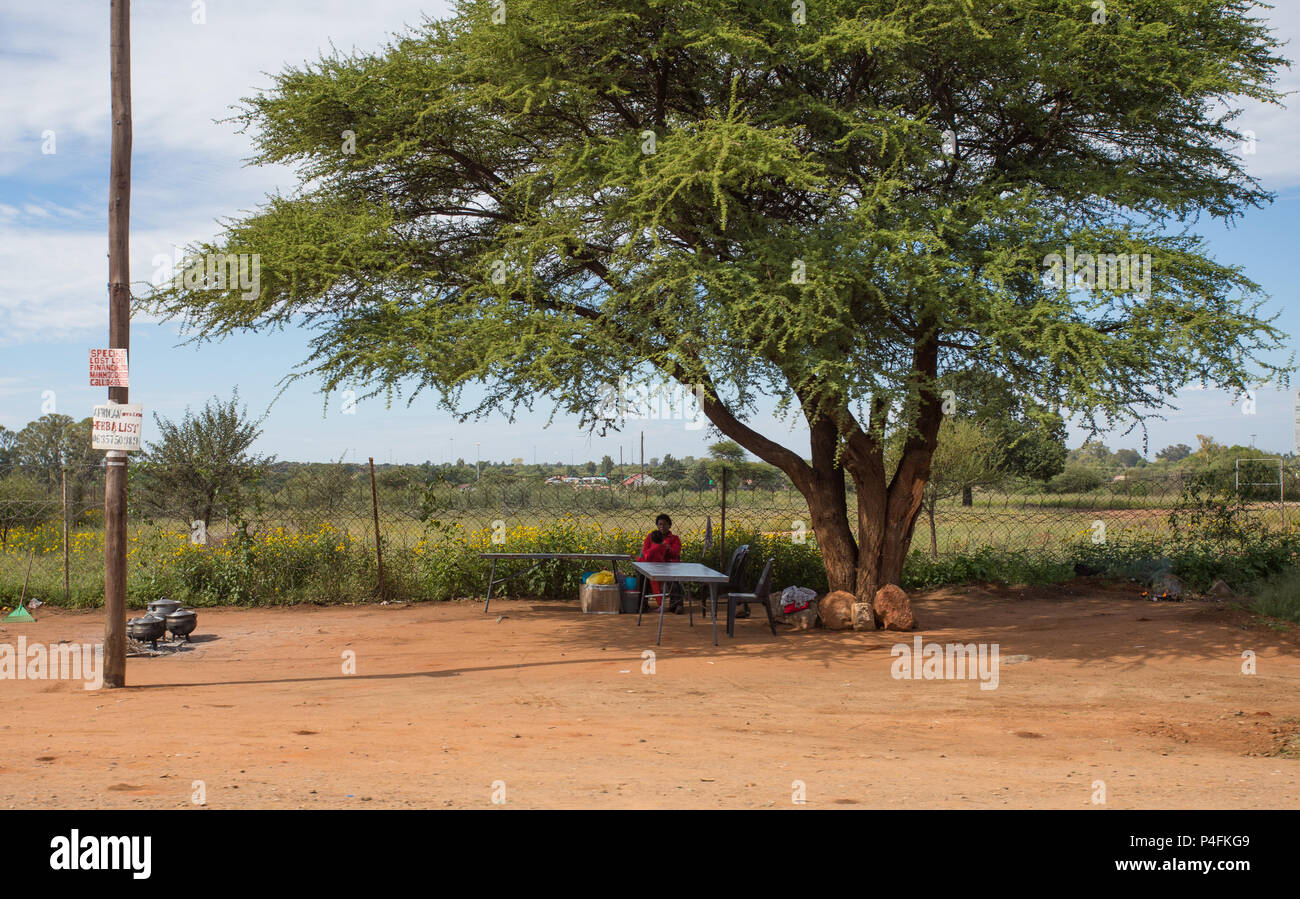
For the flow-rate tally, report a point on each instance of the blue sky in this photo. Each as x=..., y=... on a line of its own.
x=189, y=172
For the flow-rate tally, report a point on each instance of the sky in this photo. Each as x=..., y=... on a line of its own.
x=190, y=172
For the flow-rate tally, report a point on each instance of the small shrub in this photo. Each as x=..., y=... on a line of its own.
x=1076, y=479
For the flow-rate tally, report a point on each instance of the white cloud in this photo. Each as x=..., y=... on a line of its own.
x=188, y=170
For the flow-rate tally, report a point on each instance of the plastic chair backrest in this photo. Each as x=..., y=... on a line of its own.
x=764, y=586
x=736, y=570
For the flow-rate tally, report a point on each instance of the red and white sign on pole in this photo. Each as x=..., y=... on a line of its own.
x=117, y=426
x=108, y=368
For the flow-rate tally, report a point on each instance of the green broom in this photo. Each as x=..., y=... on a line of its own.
x=20, y=613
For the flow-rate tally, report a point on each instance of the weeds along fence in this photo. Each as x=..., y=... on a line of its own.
x=344, y=532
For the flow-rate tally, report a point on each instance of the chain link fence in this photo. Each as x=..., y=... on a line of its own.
x=295, y=532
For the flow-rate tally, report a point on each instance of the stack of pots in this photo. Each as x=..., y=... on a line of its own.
x=163, y=615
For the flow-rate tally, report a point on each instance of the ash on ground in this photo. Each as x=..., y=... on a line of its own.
x=138, y=649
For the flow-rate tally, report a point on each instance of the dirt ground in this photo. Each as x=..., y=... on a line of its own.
x=547, y=707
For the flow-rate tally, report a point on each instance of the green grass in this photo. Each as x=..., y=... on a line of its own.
x=1279, y=596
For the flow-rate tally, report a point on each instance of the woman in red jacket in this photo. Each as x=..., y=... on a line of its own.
x=669, y=549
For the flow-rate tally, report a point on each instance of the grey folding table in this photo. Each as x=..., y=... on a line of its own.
x=538, y=559
x=680, y=573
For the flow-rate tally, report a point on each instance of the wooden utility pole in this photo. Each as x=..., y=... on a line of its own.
x=119, y=336
x=643, y=457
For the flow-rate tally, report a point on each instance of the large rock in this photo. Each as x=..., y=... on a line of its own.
x=804, y=620
x=863, y=619
x=1220, y=590
x=836, y=610
x=893, y=610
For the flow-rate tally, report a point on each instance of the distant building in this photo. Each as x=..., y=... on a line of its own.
x=642, y=480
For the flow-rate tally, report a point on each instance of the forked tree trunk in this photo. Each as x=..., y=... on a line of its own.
x=827, y=497
x=887, y=512
x=839, y=550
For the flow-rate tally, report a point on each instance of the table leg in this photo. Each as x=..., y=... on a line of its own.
x=713, y=602
x=491, y=577
x=663, y=601
x=640, y=601
x=690, y=606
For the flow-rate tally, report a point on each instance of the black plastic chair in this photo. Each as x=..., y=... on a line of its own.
x=735, y=575
x=761, y=594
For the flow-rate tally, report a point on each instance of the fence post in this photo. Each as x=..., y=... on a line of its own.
x=1281, y=491
x=67, y=591
x=379, y=550
x=722, y=526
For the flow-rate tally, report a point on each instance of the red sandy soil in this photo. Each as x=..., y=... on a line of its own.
x=1147, y=697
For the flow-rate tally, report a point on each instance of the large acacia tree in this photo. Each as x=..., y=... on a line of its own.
x=834, y=209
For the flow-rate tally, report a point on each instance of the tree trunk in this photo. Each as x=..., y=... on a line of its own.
x=967, y=498
x=887, y=513
x=828, y=504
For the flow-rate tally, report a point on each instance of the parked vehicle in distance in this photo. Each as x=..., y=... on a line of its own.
x=566, y=481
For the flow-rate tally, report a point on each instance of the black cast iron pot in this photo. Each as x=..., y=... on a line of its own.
x=149, y=628
x=182, y=623
x=163, y=606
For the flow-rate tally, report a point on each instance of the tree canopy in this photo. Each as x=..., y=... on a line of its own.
x=833, y=209
x=198, y=465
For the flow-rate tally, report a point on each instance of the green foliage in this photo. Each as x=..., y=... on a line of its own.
x=1279, y=595
x=8, y=455
x=1198, y=564
x=1030, y=434
x=1212, y=534
x=24, y=503
x=1212, y=514
x=671, y=469
x=53, y=442
x=201, y=466
x=50, y=442
x=967, y=455
x=1128, y=458
x=1076, y=479
x=727, y=451
x=985, y=565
